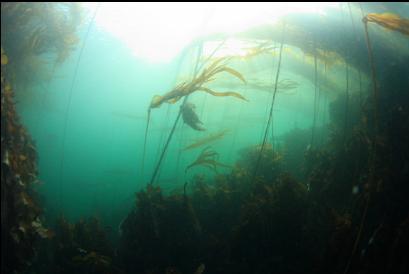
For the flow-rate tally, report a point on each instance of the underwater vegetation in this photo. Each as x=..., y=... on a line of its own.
x=335, y=203
x=31, y=33
x=197, y=84
x=285, y=86
x=82, y=247
x=261, y=48
x=36, y=34
x=389, y=21
x=207, y=140
x=207, y=158
x=21, y=222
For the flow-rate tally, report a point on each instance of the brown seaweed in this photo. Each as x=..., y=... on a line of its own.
x=208, y=139
x=187, y=88
x=390, y=21
x=208, y=158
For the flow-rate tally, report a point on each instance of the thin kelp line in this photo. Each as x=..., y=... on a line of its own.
x=346, y=100
x=144, y=142
x=271, y=79
x=359, y=69
x=320, y=113
x=272, y=104
x=148, y=123
x=373, y=74
x=181, y=136
x=68, y=108
x=162, y=134
x=315, y=95
x=346, y=82
x=196, y=70
x=357, y=42
x=372, y=156
x=155, y=172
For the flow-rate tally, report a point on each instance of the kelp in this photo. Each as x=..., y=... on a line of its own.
x=327, y=57
x=33, y=32
x=285, y=86
x=262, y=48
x=94, y=261
x=244, y=49
x=4, y=58
x=207, y=158
x=272, y=102
x=187, y=88
x=390, y=21
x=21, y=222
x=31, y=35
x=206, y=140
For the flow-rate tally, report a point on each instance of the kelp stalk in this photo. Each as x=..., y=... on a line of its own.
x=144, y=142
x=315, y=95
x=155, y=172
x=373, y=74
x=68, y=108
x=346, y=100
x=196, y=70
x=372, y=157
x=272, y=103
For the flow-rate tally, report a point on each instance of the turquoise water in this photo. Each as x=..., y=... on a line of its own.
x=106, y=120
x=88, y=122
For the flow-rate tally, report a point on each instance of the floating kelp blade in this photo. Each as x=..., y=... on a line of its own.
x=208, y=139
x=390, y=21
x=223, y=94
x=234, y=73
x=197, y=83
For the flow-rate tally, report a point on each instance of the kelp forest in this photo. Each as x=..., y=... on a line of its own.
x=331, y=196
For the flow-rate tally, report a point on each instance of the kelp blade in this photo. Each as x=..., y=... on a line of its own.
x=223, y=94
x=390, y=21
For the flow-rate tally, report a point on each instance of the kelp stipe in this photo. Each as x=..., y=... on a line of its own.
x=272, y=103
x=373, y=154
x=144, y=142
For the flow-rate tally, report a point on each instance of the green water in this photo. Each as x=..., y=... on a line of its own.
x=88, y=122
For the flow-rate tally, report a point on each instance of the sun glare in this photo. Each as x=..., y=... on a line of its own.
x=157, y=32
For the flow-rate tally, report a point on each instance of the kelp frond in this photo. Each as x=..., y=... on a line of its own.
x=207, y=158
x=208, y=139
x=390, y=21
x=207, y=75
x=223, y=94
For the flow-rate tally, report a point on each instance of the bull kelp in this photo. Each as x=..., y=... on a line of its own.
x=275, y=139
